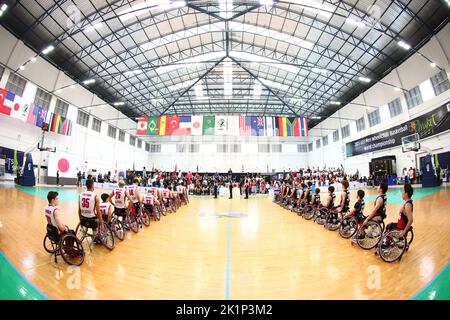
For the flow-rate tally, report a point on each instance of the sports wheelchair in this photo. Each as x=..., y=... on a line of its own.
x=391, y=247
x=309, y=211
x=106, y=235
x=68, y=246
x=369, y=236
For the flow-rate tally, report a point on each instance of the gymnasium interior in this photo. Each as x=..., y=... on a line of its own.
x=262, y=150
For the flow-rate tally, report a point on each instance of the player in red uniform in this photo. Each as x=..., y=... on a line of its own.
x=52, y=213
x=405, y=220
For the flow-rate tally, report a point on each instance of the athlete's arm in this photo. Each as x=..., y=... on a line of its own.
x=61, y=227
x=378, y=205
x=409, y=215
x=97, y=209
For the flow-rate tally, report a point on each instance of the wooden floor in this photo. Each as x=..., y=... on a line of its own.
x=261, y=252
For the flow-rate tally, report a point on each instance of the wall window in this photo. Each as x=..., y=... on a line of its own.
x=302, y=148
x=222, y=147
x=16, y=84
x=413, y=97
x=96, y=125
x=112, y=132
x=325, y=141
x=155, y=148
x=139, y=144
x=395, y=107
x=276, y=148
x=360, y=124
x=132, y=141
x=335, y=136
x=1, y=72
x=374, y=117
x=264, y=147
x=236, y=148
x=83, y=119
x=121, y=135
x=440, y=82
x=317, y=144
x=42, y=99
x=147, y=147
x=61, y=108
x=310, y=147
x=181, y=148
x=345, y=131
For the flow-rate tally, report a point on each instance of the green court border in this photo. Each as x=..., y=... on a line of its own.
x=19, y=287
x=438, y=288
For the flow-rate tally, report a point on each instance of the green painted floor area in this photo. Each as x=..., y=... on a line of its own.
x=14, y=286
x=394, y=195
x=438, y=288
x=64, y=195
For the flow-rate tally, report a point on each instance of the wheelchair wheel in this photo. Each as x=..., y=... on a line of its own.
x=163, y=209
x=308, y=213
x=132, y=222
x=145, y=217
x=391, y=246
x=348, y=227
x=409, y=238
x=107, y=236
x=157, y=212
x=118, y=229
x=333, y=221
x=49, y=245
x=321, y=217
x=71, y=250
x=81, y=232
x=372, y=235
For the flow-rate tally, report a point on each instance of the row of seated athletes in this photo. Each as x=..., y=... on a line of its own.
x=120, y=202
x=289, y=198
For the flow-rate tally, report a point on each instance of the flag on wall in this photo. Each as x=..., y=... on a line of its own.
x=221, y=125
x=152, y=126
x=185, y=126
x=172, y=125
x=32, y=116
x=142, y=126
x=233, y=125
x=197, y=125
x=282, y=128
x=303, y=126
x=260, y=125
x=7, y=104
x=41, y=116
x=292, y=127
x=162, y=125
x=270, y=127
x=208, y=125
x=245, y=125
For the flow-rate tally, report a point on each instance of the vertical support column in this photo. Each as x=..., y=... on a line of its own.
x=86, y=135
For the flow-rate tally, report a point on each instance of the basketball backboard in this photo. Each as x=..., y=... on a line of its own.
x=411, y=143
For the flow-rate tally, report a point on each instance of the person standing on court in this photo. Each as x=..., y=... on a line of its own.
x=231, y=186
x=57, y=178
x=215, y=189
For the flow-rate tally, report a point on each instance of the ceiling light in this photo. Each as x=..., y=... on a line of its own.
x=4, y=7
x=58, y=91
x=116, y=104
x=92, y=28
x=397, y=89
x=364, y=79
x=315, y=117
x=275, y=85
x=22, y=67
x=433, y=65
x=131, y=73
x=359, y=24
x=73, y=86
x=336, y=103
x=404, y=45
x=266, y=2
x=33, y=59
x=314, y=6
x=90, y=81
x=48, y=49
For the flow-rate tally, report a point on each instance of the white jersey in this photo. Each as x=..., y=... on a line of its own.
x=105, y=208
x=87, y=204
x=132, y=191
x=165, y=193
x=148, y=199
x=180, y=189
x=119, y=198
x=50, y=215
x=153, y=191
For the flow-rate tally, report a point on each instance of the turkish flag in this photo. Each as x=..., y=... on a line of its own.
x=142, y=126
x=172, y=125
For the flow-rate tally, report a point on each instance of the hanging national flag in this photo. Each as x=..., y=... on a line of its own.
x=282, y=127
x=69, y=128
x=162, y=126
x=254, y=124
x=261, y=126
x=197, y=125
x=221, y=126
x=62, y=120
x=245, y=125
x=172, y=125
x=55, y=120
x=152, y=126
x=233, y=125
x=7, y=104
x=185, y=126
x=292, y=126
x=303, y=126
x=4, y=109
x=270, y=126
x=142, y=126
x=208, y=125
x=41, y=116
x=32, y=116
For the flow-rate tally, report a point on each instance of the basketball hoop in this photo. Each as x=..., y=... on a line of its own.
x=411, y=143
x=48, y=149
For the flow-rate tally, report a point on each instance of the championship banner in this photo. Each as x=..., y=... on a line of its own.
x=426, y=125
x=219, y=125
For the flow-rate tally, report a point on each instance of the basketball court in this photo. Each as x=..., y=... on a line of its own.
x=216, y=119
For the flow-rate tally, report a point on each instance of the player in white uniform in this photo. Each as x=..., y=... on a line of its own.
x=120, y=195
x=134, y=194
x=52, y=213
x=182, y=192
x=106, y=208
x=89, y=206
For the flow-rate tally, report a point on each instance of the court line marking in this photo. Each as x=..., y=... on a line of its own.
x=23, y=277
x=227, y=275
x=430, y=282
